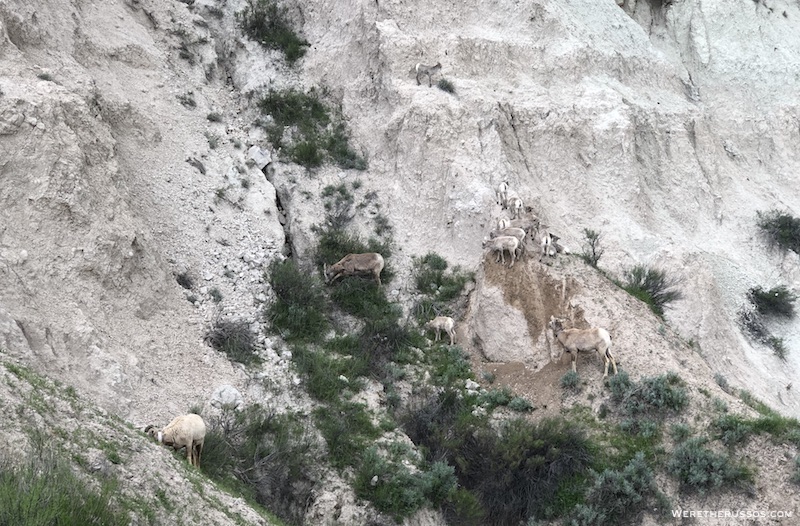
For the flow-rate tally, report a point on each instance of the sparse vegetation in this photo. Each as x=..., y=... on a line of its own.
x=592, y=251
x=307, y=130
x=187, y=99
x=268, y=24
x=439, y=286
x=781, y=229
x=45, y=76
x=571, y=380
x=653, y=395
x=214, y=117
x=652, y=286
x=184, y=280
x=446, y=86
x=234, y=338
x=777, y=301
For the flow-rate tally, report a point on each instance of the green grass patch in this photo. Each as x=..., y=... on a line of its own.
x=42, y=489
x=348, y=431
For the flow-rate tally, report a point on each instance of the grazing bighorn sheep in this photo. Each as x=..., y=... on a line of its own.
x=501, y=244
x=576, y=340
x=421, y=69
x=187, y=431
x=443, y=323
x=352, y=264
x=502, y=194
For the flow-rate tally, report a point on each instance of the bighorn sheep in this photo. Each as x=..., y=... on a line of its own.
x=501, y=244
x=187, y=431
x=576, y=340
x=422, y=70
x=352, y=264
x=518, y=233
x=516, y=206
x=502, y=194
x=443, y=323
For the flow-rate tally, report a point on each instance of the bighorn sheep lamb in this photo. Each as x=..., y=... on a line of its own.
x=501, y=244
x=443, y=323
x=518, y=233
x=187, y=431
x=502, y=194
x=423, y=70
x=352, y=264
x=576, y=340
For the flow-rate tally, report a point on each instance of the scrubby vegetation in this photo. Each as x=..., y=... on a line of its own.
x=652, y=286
x=438, y=286
x=764, y=305
x=699, y=469
x=267, y=457
x=307, y=130
x=234, y=338
x=298, y=312
x=592, y=251
x=446, y=86
x=777, y=301
x=268, y=24
x=781, y=229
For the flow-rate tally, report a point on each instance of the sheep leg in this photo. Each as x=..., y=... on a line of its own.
x=452, y=334
x=574, y=362
x=610, y=356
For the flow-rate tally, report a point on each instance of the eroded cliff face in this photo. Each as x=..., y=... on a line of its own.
x=665, y=126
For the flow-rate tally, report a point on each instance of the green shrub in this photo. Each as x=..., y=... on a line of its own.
x=317, y=132
x=592, y=251
x=450, y=365
x=347, y=429
x=439, y=287
x=652, y=395
x=571, y=380
x=42, y=489
x=267, y=23
x=338, y=204
x=520, y=404
x=619, y=497
x=185, y=280
x=781, y=229
x=777, y=301
x=495, y=398
x=733, y=429
x=446, y=86
x=700, y=469
x=234, y=338
x=214, y=117
x=680, y=432
x=265, y=456
x=399, y=492
x=298, y=311
x=323, y=372
x=652, y=286
x=510, y=473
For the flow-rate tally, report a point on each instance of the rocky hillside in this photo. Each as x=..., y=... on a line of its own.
x=142, y=197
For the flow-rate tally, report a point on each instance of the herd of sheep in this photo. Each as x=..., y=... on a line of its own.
x=510, y=235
